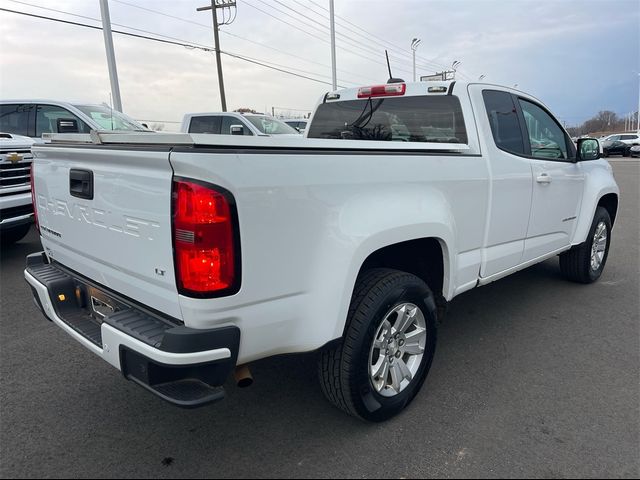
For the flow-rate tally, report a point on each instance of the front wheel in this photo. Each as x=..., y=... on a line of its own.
x=387, y=349
x=585, y=263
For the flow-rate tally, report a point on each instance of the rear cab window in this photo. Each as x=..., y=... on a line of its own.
x=396, y=119
x=504, y=121
x=17, y=119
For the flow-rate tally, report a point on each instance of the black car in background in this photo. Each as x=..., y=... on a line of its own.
x=616, y=147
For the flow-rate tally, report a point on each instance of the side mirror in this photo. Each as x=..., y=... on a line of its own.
x=67, y=125
x=587, y=149
x=237, y=130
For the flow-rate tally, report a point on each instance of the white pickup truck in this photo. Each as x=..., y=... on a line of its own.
x=179, y=259
x=16, y=209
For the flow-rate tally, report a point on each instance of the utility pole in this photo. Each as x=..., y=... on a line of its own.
x=111, y=56
x=332, y=21
x=215, y=5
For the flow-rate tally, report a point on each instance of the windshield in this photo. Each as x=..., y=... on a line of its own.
x=271, y=126
x=109, y=119
x=407, y=119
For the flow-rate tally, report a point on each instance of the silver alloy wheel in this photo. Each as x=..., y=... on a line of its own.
x=397, y=350
x=598, y=246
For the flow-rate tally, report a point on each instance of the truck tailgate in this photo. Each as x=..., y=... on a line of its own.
x=106, y=214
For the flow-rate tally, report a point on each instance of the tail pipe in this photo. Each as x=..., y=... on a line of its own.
x=243, y=377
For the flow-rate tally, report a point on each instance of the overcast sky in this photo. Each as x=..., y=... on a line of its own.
x=578, y=57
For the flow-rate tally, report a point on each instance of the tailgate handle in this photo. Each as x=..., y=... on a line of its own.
x=81, y=183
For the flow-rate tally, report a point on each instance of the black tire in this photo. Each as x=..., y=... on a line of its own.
x=627, y=152
x=344, y=366
x=575, y=264
x=9, y=237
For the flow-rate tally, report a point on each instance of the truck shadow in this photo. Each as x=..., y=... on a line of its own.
x=282, y=423
x=285, y=408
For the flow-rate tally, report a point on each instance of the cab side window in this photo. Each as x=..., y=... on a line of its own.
x=208, y=124
x=505, y=125
x=47, y=117
x=15, y=118
x=547, y=139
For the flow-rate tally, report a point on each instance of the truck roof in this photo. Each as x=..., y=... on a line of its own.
x=438, y=87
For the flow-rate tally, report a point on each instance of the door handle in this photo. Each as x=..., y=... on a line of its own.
x=81, y=183
x=543, y=178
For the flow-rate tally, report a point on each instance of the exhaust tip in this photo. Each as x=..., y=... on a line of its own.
x=243, y=377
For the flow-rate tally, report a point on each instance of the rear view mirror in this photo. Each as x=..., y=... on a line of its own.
x=67, y=125
x=588, y=149
x=237, y=130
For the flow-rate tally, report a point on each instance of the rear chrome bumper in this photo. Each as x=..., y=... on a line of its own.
x=184, y=366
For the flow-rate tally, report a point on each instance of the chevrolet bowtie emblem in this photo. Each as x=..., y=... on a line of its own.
x=14, y=157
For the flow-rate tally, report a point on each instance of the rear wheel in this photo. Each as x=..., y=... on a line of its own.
x=585, y=263
x=387, y=349
x=9, y=237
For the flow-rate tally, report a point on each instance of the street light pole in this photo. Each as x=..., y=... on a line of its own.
x=111, y=56
x=414, y=46
x=454, y=67
x=332, y=21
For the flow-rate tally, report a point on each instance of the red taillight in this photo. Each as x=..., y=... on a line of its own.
x=390, y=90
x=204, y=239
x=33, y=196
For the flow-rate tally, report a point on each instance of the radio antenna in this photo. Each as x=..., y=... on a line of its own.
x=391, y=79
x=386, y=52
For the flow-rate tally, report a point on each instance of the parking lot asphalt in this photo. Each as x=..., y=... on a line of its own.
x=534, y=377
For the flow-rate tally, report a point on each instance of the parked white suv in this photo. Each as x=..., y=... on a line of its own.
x=32, y=118
x=234, y=123
x=16, y=208
x=628, y=138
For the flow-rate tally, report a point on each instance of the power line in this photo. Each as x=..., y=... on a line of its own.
x=323, y=29
x=157, y=12
x=169, y=42
x=289, y=54
x=208, y=27
x=378, y=39
x=182, y=42
x=98, y=20
x=375, y=60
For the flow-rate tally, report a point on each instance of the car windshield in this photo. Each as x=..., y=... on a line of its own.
x=271, y=126
x=110, y=119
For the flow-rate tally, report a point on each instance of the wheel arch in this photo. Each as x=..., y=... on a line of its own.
x=610, y=203
x=433, y=266
x=600, y=190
